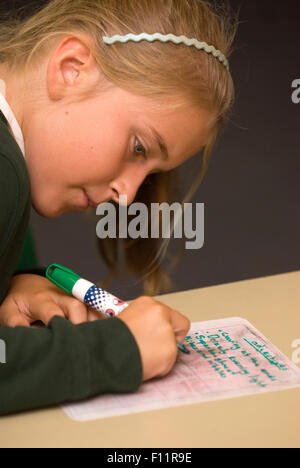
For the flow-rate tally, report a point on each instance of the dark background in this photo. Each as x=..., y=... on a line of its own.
x=251, y=191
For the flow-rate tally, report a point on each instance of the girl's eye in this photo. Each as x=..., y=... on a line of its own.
x=139, y=149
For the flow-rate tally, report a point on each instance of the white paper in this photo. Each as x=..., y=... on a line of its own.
x=229, y=358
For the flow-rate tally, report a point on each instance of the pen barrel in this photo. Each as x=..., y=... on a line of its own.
x=98, y=299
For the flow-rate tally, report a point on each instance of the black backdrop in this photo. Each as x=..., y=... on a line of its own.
x=251, y=192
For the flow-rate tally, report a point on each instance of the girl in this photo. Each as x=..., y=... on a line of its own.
x=86, y=117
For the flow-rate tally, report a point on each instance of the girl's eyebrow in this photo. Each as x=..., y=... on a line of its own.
x=161, y=143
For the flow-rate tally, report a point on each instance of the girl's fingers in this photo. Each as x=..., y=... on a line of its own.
x=94, y=315
x=76, y=311
x=180, y=324
x=45, y=311
x=11, y=317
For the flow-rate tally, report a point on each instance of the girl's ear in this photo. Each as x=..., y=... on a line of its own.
x=71, y=68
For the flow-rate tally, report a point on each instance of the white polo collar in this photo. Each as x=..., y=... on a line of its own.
x=10, y=117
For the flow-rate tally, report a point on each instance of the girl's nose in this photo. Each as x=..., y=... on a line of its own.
x=127, y=184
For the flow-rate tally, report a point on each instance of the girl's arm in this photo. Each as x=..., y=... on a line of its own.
x=66, y=362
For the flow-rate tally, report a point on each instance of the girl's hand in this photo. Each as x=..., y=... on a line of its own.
x=156, y=328
x=34, y=298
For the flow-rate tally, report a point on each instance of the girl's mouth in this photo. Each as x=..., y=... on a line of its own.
x=88, y=202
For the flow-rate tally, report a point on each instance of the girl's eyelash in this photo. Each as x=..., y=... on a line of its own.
x=144, y=151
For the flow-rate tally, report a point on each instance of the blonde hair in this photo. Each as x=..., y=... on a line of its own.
x=180, y=75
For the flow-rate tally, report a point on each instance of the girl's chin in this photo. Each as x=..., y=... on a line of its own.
x=51, y=213
x=48, y=211
x=45, y=213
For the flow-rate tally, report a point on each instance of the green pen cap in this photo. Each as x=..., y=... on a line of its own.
x=62, y=277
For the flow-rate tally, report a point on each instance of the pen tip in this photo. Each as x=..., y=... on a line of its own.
x=183, y=348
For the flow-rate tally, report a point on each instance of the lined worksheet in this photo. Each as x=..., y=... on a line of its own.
x=228, y=358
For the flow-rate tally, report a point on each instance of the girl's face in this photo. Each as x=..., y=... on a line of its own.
x=82, y=154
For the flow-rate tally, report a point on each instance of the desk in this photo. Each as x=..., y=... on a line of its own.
x=272, y=305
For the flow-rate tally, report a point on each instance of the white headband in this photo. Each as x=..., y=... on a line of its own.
x=169, y=37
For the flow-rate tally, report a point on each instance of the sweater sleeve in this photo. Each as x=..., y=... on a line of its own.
x=66, y=362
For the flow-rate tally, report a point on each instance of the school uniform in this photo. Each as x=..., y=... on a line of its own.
x=61, y=362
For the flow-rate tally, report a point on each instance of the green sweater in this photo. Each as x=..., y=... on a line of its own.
x=63, y=362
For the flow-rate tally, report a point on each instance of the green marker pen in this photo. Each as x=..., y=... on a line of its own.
x=89, y=293
x=85, y=291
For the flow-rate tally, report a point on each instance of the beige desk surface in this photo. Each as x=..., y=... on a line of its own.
x=272, y=305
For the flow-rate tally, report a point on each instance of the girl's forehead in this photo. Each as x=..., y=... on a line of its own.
x=168, y=111
x=165, y=104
